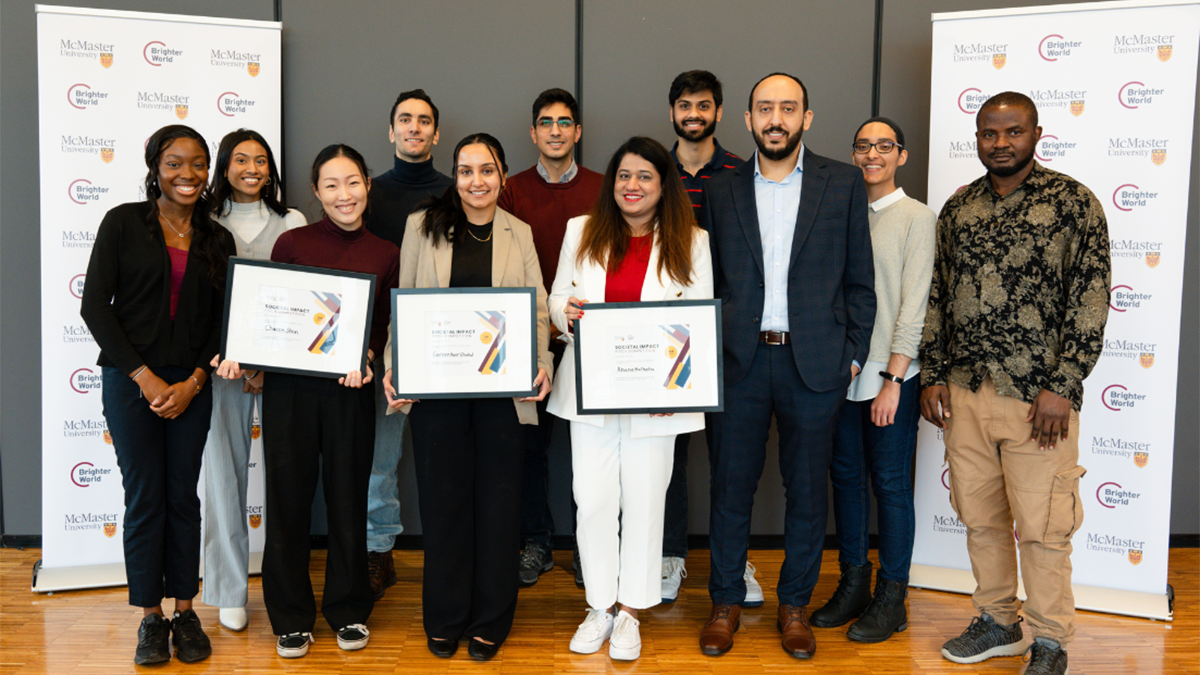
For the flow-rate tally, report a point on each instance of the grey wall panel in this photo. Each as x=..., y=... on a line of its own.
x=906, y=59
x=631, y=52
x=20, y=347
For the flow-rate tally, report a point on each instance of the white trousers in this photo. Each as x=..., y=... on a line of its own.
x=620, y=493
x=226, y=475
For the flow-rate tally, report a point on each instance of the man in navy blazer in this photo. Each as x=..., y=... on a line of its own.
x=793, y=268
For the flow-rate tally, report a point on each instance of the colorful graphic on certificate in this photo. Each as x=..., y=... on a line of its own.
x=462, y=343
x=293, y=319
x=648, y=358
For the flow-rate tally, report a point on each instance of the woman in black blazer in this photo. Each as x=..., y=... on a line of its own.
x=153, y=302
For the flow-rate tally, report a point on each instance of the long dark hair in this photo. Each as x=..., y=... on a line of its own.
x=342, y=150
x=605, y=238
x=207, y=236
x=220, y=190
x=445, y=219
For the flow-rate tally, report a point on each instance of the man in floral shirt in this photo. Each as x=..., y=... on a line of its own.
x=1015, y=323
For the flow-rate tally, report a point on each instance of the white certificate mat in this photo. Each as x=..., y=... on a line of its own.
x=464, y=342
x=296, y=319
x=649, y=357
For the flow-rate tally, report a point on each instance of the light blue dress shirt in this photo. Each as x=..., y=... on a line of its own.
x=778, y=207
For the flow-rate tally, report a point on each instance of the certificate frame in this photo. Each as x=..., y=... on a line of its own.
x=415, y=309
x=595, y=384
x=351, y=316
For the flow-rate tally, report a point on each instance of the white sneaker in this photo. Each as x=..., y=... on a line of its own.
x=233, y=618
x=673, y=574
x=293, y=645
x=592, y=633
x=754, y=592
x=626, y=641
x=353, y=637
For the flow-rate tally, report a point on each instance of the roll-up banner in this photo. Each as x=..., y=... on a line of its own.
x=106, y=81
x=1115, y=87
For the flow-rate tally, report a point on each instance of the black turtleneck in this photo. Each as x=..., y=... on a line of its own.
x=394, y=195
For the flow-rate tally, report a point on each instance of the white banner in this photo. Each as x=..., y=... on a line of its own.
x=1115, y=85
x=106, y=81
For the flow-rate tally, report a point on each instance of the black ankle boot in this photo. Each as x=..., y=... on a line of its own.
x=852, y=596
x=884, y=616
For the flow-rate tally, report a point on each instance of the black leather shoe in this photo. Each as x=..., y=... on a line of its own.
x=852, y=596
x=884, y=616
x=482, y=651
x=443, y=649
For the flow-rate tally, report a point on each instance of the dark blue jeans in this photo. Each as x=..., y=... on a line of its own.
x=160, y=467
x=886, y=453
x=805, y=419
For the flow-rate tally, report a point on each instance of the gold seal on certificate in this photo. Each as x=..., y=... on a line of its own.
x=296, y=319
x=649, y=357
x=464, y=342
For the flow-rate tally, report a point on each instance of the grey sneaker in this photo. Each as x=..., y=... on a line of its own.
x=535, y=561
x=1046, y=657
x=985, y=639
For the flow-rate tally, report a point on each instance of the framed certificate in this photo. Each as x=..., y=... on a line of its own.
x=649, y=357
x=464, y=342
x=295, y=319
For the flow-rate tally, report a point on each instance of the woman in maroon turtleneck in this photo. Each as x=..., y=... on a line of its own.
x=321, y=424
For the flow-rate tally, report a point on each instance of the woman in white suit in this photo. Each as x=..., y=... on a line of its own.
x=639, y=243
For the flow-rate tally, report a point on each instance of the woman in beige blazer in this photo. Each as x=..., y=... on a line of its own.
x=468, y=452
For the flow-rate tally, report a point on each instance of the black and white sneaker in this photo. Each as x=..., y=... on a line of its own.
x=352, y=637
x=154, y=641
x=191, y=644
x=1046, y=657
x=293, y=645
x=985, y=639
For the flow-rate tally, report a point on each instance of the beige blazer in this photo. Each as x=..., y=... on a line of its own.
x=587, y=281
x=514, y=265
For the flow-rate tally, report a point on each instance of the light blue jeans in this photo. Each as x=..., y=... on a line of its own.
x=383, y=493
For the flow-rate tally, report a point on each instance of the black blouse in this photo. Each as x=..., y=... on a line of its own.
x=471, y=266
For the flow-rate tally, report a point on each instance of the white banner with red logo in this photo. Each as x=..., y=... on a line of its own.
x=106, y=81
x=1115, y=85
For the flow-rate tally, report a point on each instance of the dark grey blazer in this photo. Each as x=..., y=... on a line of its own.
x=831, y=273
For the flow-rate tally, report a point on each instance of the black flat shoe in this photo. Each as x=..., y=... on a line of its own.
x=443, y=649
x=482, y=651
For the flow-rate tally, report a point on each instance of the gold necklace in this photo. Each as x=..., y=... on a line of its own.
x=482, y=241
x=173, y=228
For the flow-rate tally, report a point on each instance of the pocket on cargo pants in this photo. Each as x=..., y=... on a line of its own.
x=1066, y=508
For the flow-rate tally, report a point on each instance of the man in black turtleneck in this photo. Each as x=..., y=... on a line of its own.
x=413, y=128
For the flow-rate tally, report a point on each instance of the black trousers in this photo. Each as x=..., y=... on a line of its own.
x=160, y=467
x=468, y=455
x=537, y=523
x=316, y=427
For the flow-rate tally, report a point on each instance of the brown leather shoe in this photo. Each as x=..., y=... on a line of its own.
x=798, y=638
x=381, y=571
x=717, y=635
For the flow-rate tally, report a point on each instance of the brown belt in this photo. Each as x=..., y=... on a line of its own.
x=775, y=337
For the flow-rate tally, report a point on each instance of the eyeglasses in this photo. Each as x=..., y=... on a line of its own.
x=884, y=147
x=564, y=123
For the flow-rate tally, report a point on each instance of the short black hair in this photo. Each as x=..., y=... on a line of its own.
x=552, y=96
x=804, y=89
x=1009, y=98
x=883, y=120
x=694, y=82
x=418, y=94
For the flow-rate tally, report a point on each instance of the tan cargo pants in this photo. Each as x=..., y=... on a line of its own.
x=998, y=476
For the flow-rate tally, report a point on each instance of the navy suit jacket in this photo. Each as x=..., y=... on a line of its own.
x=831, y=273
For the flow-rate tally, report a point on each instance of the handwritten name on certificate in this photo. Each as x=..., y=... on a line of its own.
x=293, y=319
x=465, y=343
x=651, y=358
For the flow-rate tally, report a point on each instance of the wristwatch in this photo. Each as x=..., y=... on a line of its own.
x=888, y=376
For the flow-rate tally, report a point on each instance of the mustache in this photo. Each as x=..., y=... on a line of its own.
x=773, y=129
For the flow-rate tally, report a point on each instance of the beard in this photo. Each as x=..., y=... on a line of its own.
x=788, y=148
x=697, y=135
x=1012, y=169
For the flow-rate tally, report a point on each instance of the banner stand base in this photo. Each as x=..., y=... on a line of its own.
x=1089, y=598
x=53, y=579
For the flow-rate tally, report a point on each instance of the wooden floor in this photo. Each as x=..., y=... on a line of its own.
x=95, y=632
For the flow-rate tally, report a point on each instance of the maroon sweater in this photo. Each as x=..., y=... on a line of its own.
x=547, y=208
x=323, y=244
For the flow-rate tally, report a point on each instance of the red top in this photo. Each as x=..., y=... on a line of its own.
x=179, y=258
x=547, y=207
x=625, y=284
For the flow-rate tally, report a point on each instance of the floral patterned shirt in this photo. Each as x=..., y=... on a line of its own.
x=1020, y=288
